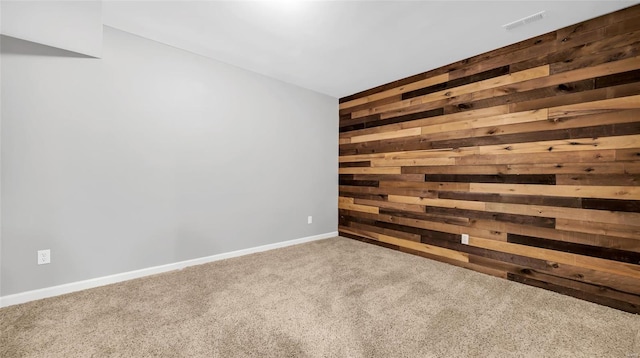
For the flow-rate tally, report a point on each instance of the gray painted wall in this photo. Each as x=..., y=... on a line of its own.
x=70, y=25
x=152, y=155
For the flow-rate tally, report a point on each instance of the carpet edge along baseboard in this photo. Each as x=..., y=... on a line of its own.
x=52, y=291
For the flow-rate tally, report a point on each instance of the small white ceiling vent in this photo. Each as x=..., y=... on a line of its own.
x=524, y=21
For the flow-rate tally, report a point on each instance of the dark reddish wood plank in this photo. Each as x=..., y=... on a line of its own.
x=549, y=179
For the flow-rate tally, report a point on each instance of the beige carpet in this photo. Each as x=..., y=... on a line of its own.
x=329, y=298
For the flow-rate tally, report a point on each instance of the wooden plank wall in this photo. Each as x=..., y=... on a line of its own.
x=532, y=149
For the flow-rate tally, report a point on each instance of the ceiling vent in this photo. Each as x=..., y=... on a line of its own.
x=524, y=21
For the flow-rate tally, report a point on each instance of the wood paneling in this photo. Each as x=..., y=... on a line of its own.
x=532, y=149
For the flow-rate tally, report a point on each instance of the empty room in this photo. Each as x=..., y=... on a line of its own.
x=319, y=178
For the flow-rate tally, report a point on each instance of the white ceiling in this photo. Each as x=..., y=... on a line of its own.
x=343, y=47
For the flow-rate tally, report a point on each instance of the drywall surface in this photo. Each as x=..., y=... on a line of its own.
x=153, y=155
x=69, y=25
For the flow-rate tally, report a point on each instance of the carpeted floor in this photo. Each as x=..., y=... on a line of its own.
x=329, y=298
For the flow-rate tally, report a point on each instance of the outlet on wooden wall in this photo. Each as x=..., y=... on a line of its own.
x=533, y=150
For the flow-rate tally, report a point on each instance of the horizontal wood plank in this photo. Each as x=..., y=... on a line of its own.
x=533, y=150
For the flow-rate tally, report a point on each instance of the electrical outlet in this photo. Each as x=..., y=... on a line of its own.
x=309, y=219
x=44, y=257
x=465, y=239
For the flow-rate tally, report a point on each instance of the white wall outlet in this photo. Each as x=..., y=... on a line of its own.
x=44, y=257
x=309, y=219
x=465, y=239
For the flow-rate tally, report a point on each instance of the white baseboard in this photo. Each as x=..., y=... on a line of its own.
x=107, y=280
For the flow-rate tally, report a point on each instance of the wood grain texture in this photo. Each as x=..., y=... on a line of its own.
x=395, y=91
x=532, y=149
x=457, y=91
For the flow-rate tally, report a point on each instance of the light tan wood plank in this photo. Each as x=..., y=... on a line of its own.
x=622, y=218
x=614, y=242
x=431, y=153
x=511, y=118
x=594, y=179
x=386, y=135
x=598, y=119
x=413, y=162
x=561, y=168
x=559, y=158
x=396, y=91
x=345, y=200
x=572, y=191
x=630, y=102
x=385, y=231
x=359, y=157
x=430, y=249
x=425, y=186
x=367, y=170
x=568, y=145
x=356, y=231
x=614, y=267
x=399, y=177
x=443, y=203
x=453, y=117
x=600, y=216
x=357, y=207
x=536, y=72
x=572, y=168
x=593, y=227
x=391, y=205
x=604, y=69
x=454, y=225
